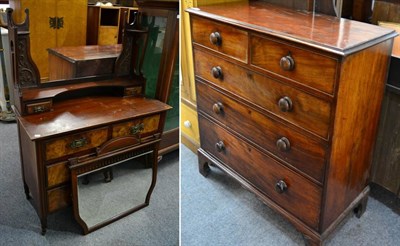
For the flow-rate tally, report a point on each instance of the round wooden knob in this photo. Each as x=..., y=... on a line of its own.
x=220, y=146
x=218, y=107
x=285, y=104
x=283, y=144
x=216, y=72
x=287, y=63
x=280, y=186
x=215, y=38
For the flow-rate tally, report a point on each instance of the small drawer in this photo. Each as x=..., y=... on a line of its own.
x=303, y=66
x=220, y=37
x=58, y=198
x=141, y=127
x=133, y=91
x=68, y=145
x=38, y=107
x=57, y=174
x=282, y=185
x=303, y=153
x=290, y=104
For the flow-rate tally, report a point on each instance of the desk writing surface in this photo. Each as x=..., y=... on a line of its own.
x=77, y=114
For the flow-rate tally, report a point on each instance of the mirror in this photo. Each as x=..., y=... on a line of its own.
x=110, y=192
x=59, y=37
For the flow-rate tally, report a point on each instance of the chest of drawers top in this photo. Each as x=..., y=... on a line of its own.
x=328, y=33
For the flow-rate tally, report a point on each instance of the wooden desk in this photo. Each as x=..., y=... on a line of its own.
x=82, y=61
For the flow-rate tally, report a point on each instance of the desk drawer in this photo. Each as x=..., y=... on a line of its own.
x=306, y=111
x=75, y=143
x=264, y=173
x=309, y=68
x=300, y=151
x=57, y=174
x=227, y=39
x=143, y=127
x=58, y=198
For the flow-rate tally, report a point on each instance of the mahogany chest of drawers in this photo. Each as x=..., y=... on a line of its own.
x=288, y=104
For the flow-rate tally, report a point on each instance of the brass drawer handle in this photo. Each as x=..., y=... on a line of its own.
x=216, y=39
x=285, y=104
x=287, y=63
x=283, y=144
x=137, y=128
x=220, y=146
x=39, y=109
x=218, y=107
x=217, y=72
x=280, y=186
x=78, y=143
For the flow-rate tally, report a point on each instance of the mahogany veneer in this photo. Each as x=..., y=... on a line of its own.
x=288, y=104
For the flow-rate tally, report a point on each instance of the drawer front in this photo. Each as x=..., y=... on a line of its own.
x=306, y=111
x=310, y=69
x=301, y=152
x=142, y=127
x=58, y=198
x=75, y=143
x=227, y=39
x=38, y=107
x=264, y=173
x=57, y=174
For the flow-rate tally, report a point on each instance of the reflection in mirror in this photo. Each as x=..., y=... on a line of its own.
x=112, y=191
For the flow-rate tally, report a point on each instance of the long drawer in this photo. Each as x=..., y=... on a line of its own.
x=265, y=173
x=290, y=104
x=304, y=153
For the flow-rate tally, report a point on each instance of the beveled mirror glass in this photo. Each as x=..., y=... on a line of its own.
x=111, y=192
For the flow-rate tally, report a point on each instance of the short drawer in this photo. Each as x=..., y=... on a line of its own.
x=57, y=174
x=303, y=66
x=58, y=198
x=38, y=107
x=139, y=127
x=72, y=144
x=220, y=37
x=303, y=153
x=293, y=105
x=264, y=173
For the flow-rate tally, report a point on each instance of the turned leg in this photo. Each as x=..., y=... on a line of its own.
x=204, y=169
x=361, y=207
x=108, y=175
x=44, y=226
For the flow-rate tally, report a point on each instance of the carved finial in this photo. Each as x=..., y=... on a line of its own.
x=25, y=71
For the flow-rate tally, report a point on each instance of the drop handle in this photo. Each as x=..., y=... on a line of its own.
x=280, y=186
x=285, y=104
x=218, y=108
x=217, y=72
x=287, y=63
x=220, y=146
x=215, y=38
x=283, y=144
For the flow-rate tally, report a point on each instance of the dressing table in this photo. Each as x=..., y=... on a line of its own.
x=72, y=129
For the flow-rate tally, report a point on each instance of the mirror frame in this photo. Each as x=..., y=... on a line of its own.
x=107, y=157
